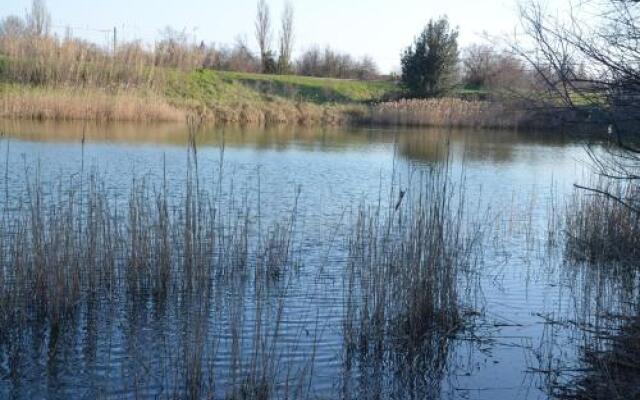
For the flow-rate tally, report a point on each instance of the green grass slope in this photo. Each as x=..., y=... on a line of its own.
x=207, y=86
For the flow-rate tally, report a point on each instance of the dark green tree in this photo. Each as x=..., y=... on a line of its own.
x=429, y=65
x=269, y=63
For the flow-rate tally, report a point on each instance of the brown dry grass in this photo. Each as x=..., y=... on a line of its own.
x=64, y=103
x=86, y=104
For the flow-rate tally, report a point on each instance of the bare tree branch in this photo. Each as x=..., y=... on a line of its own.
x=263, y=31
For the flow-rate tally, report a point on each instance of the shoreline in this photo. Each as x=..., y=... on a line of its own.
x=21, y=102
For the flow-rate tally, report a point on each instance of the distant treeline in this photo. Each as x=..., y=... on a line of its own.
x=32, y=54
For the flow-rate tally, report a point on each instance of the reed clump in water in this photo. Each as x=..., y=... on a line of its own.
x=81, y=242
x=612, y=364
x=403, y=298
x=408, y=260
x=603, y=325
x=51, y=259
x=601, y=228
x=74, y=248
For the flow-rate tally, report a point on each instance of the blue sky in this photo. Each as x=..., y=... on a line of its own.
x=379, y=28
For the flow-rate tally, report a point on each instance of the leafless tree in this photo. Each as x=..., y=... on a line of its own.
x=367, y=69
x=240, y=58
x=510, y=73
x=332, y=64
x=12, y=26
x=590, y=63
x=263, y=32
x=309, y=61
x=286, y=38
x=178, y=49
x=485, y=67
x=39, y=19
x=478, y=64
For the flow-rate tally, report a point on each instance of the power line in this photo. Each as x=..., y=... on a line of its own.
x=79, y=28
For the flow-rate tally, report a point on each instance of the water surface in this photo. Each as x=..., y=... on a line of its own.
x=517, y=181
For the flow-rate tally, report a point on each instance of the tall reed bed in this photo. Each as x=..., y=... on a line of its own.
x=272, y=113
x=402, y=294
x=42, y=103
x=48, y=60
x=447, y=112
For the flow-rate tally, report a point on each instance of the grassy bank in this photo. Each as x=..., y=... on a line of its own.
x=165, y=94
x=117, y=93
x=224, y=97
x=169, y=94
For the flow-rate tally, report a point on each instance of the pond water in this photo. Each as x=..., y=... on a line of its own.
x=518, y=183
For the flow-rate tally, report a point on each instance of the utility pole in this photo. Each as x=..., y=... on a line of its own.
x=115, y=39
